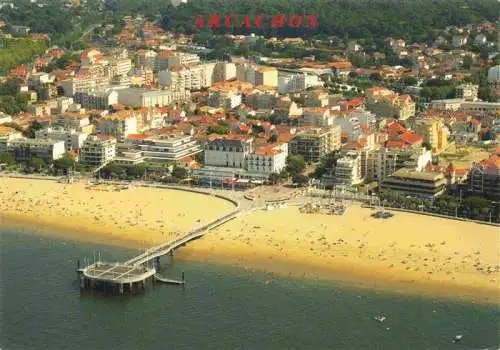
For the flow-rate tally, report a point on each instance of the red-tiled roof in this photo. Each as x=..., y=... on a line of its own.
x=136, y=137
x=395, y=127
x=410, y=137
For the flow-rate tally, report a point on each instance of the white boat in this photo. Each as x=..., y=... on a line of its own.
x=458, y=337
x=379, y=318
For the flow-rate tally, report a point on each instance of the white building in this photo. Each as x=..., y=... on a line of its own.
x=25, y=149
x=98, y=150
x=168, y=148
x=119, y=125
x=189, y=78
x=224, y=71
x=268, y=159
x=180, y=59
x=229, y=152
x=82, y=82
x=452, y=104
x=140, y=97
x=72, y=138
x=467, y=91
x=288, y=83
x=459, y=40
x=348, y=169
x=494, y=76
x=225, y=99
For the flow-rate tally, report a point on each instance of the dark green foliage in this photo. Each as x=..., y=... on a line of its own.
x=179, y=172
x=6, y=158
x=295, y=165
x=357, y=19
x=64, y=163
x=11, y=101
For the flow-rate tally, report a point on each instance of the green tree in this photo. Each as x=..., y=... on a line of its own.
x=136, y=171
x=274, y=178
x=37, y=163
x=179, y=172
x=295, y=165
x=64, y=163
x=7, y=158
x=487, y=93
x=113, y=170
x=467, y=63
x=300, y=179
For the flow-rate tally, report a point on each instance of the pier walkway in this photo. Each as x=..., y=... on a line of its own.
x=166, y=248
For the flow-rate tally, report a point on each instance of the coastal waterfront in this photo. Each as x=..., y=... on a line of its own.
x=408, y=252
x=220, y=307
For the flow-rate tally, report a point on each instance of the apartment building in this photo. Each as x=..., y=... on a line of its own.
x=168, y=148
x=25, y=149
x=73, y=120
x=180, y=59
x=119, y=125
x=468, y=92
x=484, y=178
x=224, y=71
x=8, y=134
x=97, y=99
x=315, y=143
x=230, y=151
x=289, y=83
x=190, y=78
x=434, y=132
x=145, y=58
x=347, y=171
x=140, y=97
x=268, y=159
x=415, y=183
x=386, y=103
x=267, y=76
x=379, y=163
x=72, y=139
x=316, y=117
x=98, y=150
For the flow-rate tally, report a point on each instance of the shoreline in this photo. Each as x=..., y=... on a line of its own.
x=339, y=274
x=400, y=254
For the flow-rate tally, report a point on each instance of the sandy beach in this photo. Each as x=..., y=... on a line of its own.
x=408, y=252
x=139, y=216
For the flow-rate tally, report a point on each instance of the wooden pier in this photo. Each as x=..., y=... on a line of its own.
x=133, y=274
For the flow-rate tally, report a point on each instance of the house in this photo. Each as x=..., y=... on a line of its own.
x=459, y=40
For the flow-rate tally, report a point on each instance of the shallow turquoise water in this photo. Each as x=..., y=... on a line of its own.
x=219, y=308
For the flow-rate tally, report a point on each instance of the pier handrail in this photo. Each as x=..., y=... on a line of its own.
x=165, y=248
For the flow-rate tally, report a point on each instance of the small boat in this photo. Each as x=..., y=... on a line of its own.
x=379, y=318
x=458, y=338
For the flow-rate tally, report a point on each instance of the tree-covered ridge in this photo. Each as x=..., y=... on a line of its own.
x=414, y=20
x=17, y=51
